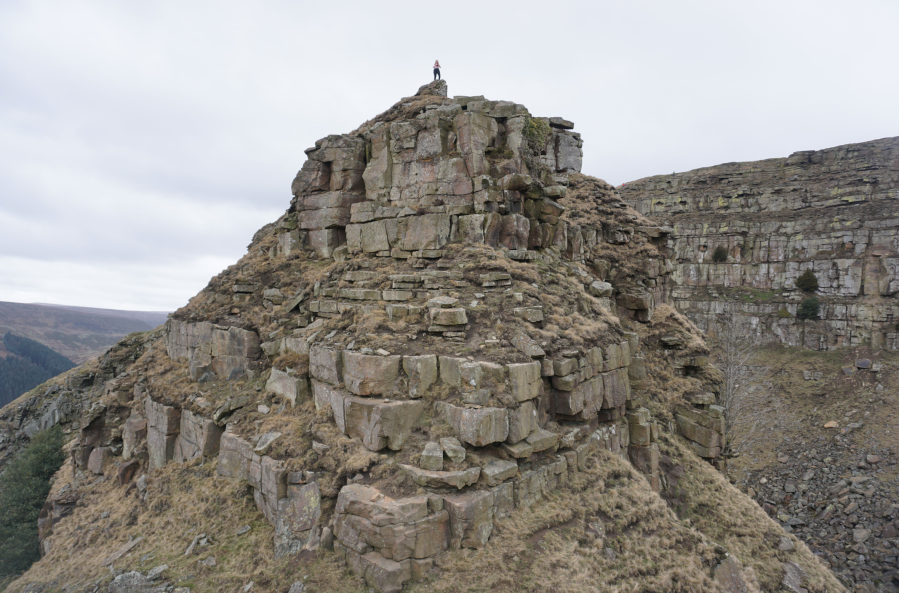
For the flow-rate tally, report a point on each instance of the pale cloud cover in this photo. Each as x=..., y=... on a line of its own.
x=142, y=144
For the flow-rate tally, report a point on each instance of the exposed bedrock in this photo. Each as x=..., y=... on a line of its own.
x=831, y=211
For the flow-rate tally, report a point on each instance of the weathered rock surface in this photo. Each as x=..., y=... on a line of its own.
x=829, y=211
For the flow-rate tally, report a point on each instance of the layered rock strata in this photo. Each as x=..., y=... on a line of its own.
x=830, y=211
x=443, y=329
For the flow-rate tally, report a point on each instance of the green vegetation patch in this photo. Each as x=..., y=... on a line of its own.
x=536, y=131
x=807, y=281
x=24, y=486
x=809, y=308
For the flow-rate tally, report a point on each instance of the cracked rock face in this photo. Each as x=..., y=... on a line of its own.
x=829, y=211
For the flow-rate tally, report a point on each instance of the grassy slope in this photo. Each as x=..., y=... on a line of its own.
x=543, y=548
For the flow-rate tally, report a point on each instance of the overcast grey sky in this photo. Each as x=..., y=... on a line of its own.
x=143, y=143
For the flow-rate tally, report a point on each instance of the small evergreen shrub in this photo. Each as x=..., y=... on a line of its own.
x=807, y=281
x=783, y=314
x=24, y=486
x=809, y=308
x=720, y=254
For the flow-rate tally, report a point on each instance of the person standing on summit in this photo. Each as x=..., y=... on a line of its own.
x=436, y=69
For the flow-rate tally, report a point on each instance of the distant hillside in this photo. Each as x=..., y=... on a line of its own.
x=24, y=364
x=151, y=318
x=78, y=333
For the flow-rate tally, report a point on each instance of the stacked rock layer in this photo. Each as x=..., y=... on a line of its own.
x=830, y=211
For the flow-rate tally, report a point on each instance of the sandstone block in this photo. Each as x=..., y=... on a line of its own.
x=611, y=357
x=519, y=450
x=165, y=419
x=561, y=123
x=325, y=364
x=353, y=238
x=134, y=432
x=503, y=500
x=360, y=276
x=161, y=447
x=380, y=424
x=370, y=375
x=616, y=388
x=326, y=396
x=422, y=373
x=324, y=241
x=516, y=182
x=470, y=229
x=397, y=295
x=706, y=437
x=234, y=457
x=522, y=422
x=564, y=366
x=373, y=237
x=527, y=345
x=566, y=382
x=98, y=458
x=429, y=231
x=636, y=371
x=514, y=231
x=600, y=289
x=371, y=504
x=498, y=470
x=125, y=471
x=542, y=440
x=449, y=370
x=525, y=380
x=583, y=401
x=453, y=449
x=441, y=479
x=297, y=516
x=471, y=375
x=471, y=518
x=387, y=576
x=568, y=154
x=198, y=437
x=636, y=301
x=476, y=426
x=644, y=458
x=441, y=316
x=294, y=388
x=640, y=427
x=432, y=457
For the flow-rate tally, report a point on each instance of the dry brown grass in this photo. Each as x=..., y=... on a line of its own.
x=644, y=546
x=836, y=397
x=589, y=202
x=546, y=547
x=183, y=501
x=731, y=519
